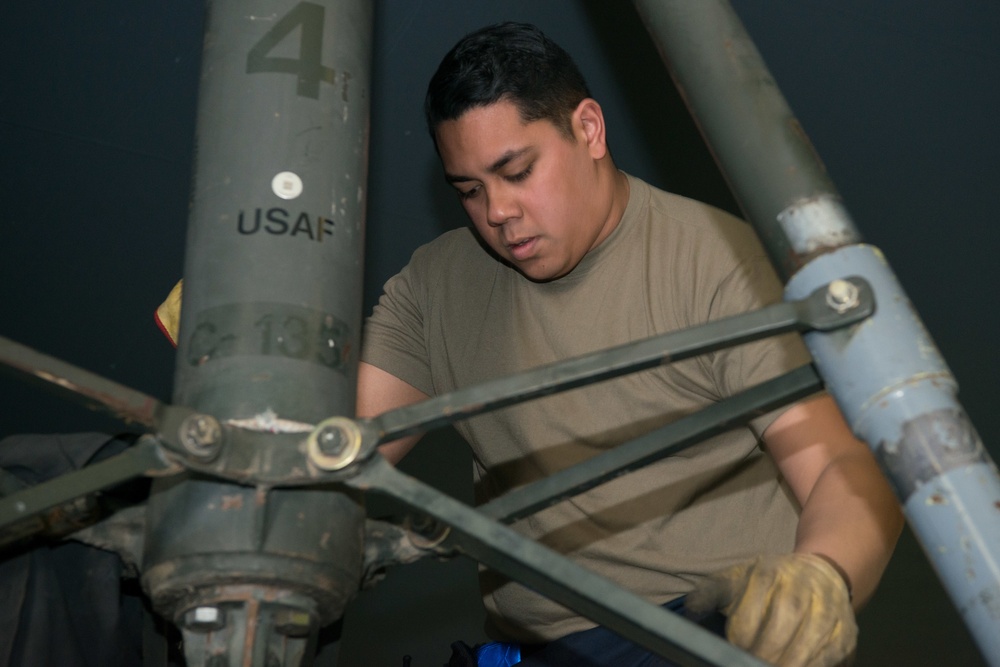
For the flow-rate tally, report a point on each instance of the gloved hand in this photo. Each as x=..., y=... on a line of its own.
x=168, y=315
x=791, y=610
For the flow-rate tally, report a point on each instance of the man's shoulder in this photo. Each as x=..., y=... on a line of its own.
x=682, y=210
x=682, y=221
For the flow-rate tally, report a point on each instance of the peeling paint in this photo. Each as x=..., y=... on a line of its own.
x=269, y=422
x=929, y=446
x=233, y=502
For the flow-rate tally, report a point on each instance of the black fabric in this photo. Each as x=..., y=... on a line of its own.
x=462, y=655
x=64, y=603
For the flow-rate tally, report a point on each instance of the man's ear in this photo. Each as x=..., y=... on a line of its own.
x=588, y=125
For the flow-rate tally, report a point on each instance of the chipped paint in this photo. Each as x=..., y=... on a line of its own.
x=817, y=225
x=929, y=446
x=269, y=422
x=233, y=502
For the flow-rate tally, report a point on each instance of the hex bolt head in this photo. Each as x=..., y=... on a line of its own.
x=334, y=444
x=332, y=441
x=201, y=435
x=842, y=295
x=204, y=619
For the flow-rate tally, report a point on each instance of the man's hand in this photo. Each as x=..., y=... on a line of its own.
x=791, y=610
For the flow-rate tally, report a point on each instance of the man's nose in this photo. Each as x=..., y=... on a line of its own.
x=502, y=207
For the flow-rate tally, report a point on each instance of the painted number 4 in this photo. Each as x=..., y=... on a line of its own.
x=308, y=18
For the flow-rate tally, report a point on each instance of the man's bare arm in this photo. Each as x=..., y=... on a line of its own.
x=378, y=392
x=849, y=513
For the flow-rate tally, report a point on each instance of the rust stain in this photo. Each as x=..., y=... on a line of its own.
x=252, y=611
x=234, y=502
x=937, y=499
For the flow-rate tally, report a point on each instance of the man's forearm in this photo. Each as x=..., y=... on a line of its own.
x=853, y=518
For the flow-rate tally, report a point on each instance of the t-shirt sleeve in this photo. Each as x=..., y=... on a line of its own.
x=751, y=285
x=394, y=337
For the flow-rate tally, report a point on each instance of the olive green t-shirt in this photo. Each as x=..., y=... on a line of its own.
x=456, y=316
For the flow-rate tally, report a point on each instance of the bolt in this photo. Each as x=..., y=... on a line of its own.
x=200, y=435
x=204, y=619
x=842, y=295
x=334, y=444
x=332, y=440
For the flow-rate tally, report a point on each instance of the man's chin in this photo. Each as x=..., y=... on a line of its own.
x=538, y=273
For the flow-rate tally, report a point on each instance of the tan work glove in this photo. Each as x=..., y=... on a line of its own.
x=168, y=315
x=791, y=610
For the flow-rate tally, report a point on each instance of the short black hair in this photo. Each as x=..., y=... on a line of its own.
x=507, y=61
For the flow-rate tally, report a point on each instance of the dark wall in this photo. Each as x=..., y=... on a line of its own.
x=96, y=129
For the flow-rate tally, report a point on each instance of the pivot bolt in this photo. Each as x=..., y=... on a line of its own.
x=201, y=435
x=842, y=295
x=334, y=444
x=332, y=440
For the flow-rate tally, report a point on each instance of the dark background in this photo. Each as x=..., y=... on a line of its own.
x=97, y=106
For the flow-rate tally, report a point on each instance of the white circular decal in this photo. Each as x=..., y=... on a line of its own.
x=287, y=185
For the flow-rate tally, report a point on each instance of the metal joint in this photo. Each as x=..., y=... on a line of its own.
x=334, y=443
x=201, y=436
x=842, y=296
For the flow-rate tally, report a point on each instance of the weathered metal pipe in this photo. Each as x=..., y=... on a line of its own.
x=270, y=326
x=887, y=376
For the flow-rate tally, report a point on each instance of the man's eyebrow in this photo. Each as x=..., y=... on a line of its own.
x=500, y=163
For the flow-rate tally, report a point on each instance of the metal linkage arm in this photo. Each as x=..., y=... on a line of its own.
x=18, y=510
x=654, y=446
x=79, y=385
x=841, y=303
x=103, y=395
x=555, y=576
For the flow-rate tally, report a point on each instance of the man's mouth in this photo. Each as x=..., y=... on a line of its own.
x=521, y=248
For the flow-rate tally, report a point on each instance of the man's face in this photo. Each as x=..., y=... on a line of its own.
x=538, y=197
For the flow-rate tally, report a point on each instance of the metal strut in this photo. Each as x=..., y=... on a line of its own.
x=888, y=377
x=260, y=540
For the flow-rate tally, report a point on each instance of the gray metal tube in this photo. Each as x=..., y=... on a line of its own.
x=887, y=376
x=270, y=325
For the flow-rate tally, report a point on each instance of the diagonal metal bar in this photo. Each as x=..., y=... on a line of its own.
x=145, y=458
x=811, y=313
x=69, y=381
x=555, y=576
x=890, y=380
x=654, y=446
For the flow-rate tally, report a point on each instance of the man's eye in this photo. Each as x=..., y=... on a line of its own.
x=470, y=193
x=520, y=176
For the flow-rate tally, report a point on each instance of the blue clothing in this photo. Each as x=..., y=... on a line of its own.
x=597, y=647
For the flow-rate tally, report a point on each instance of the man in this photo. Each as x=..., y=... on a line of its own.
x=786, y=525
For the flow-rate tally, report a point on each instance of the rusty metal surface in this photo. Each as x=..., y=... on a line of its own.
x=79, y=385
x=555, y=576
x=931, y=443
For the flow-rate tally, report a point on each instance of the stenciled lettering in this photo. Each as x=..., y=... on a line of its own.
x=277, y=222
x=276, y=225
